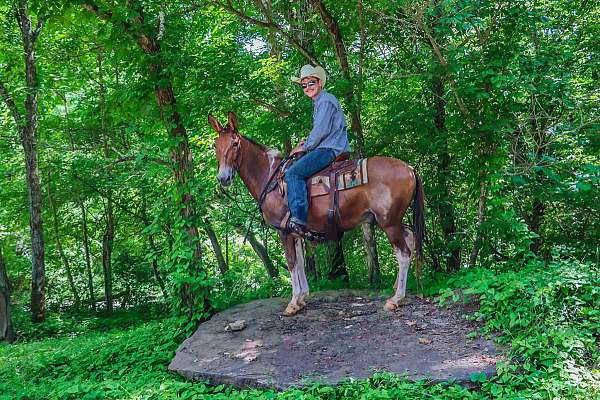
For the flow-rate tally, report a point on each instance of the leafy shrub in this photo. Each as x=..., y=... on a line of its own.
x=550, y=318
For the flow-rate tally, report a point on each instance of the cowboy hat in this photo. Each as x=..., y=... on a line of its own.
x=308, y=71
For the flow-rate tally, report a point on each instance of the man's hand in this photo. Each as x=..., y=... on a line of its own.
x=298, y=149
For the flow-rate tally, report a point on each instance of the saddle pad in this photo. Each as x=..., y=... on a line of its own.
x=320, y=184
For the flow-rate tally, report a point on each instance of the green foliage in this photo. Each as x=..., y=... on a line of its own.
x=548, y=315
x=80, y=323
x=131, y=363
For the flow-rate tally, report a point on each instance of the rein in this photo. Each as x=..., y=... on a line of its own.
x=269, y=187
x=271, y=184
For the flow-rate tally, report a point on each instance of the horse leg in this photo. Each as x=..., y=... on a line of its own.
x=294, y=252
x=403, y=243
x=299, y=269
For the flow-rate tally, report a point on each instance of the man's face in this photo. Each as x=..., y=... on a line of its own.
x=311, y=86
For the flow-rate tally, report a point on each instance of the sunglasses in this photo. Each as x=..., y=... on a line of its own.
x=308, y=84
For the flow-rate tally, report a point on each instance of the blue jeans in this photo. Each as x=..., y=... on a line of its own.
x=295, y=177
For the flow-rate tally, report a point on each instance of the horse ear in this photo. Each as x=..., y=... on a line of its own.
x=232, y=120
x=214, y=123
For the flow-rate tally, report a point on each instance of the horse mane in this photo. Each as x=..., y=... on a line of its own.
x=261, y=146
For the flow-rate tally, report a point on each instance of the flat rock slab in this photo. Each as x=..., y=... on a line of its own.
x=338, y=335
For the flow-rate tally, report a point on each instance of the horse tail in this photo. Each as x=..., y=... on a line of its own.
x=419, y=218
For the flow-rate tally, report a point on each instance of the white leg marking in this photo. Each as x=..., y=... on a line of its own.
x=301, y=271
x=403, y=264
x=403, y=258
x=299, y=283
x=296, y=288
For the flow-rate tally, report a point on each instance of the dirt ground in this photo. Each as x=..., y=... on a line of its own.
x=340, y=334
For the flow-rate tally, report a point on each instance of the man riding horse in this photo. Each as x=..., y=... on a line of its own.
x=326, y=141
x=382, y=198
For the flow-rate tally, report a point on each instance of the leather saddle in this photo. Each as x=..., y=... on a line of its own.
x=342, y=174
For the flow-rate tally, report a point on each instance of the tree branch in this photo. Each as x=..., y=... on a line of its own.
x=94, y=9
x=161, y=22
x=105, y=15
x=336, y=34
x=272, y=108
x=444, y=63
x=145, y=158
x=38, y=28
x=21, y=12
x=108, y=197
x=269, y=24
x=10, y=104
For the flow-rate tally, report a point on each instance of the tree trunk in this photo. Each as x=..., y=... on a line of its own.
x=337, y=261
x=81, y=203
x=197, y=300
x=480, y=219
x=184, y=172
x=6, y=330
x=86, y=249
x=371, y=251
x=445, y=199
x=63, y=257
x=109, y=230
x=260, y=251
x=355, y=122
x=29, y=141
x=107, y=246
x=223, y=267
x=154, y=250
x=159, y=279
x=310, y=261
x=538, y=206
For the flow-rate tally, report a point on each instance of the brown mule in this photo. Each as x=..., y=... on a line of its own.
x=385, y=198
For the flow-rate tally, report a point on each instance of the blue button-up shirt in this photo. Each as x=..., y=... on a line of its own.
x=329, y=126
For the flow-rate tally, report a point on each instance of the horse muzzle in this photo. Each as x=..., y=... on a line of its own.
x=225, y=176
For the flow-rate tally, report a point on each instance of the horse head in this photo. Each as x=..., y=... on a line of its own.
x=227, y=148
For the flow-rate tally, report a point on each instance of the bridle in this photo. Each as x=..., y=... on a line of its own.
x=234, y=145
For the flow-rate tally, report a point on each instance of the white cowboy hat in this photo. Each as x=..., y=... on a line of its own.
x=308, y=71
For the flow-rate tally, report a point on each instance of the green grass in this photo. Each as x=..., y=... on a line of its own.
x=549, y=317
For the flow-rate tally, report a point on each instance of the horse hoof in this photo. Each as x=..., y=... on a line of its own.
x=291, y=310
x=301, y=301
x=390, y=306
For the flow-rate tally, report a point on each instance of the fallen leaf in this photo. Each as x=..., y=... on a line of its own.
x=424, y=341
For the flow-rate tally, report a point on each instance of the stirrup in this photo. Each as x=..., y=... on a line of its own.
x=302, y=231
